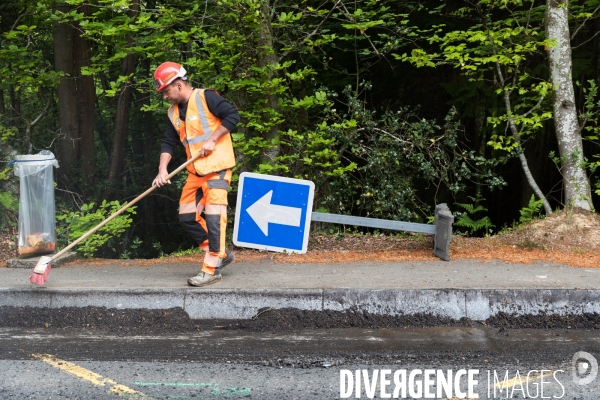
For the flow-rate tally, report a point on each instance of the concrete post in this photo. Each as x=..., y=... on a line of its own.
x=443, y=231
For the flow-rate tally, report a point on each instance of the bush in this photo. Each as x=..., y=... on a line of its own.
x=71, y=225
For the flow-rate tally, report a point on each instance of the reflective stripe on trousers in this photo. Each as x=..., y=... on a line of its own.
x=206, y=194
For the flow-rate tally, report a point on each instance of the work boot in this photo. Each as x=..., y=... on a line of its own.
x=223, y=262
x=203, y=279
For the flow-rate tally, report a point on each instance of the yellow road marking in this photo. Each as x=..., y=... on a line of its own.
x=90, y=376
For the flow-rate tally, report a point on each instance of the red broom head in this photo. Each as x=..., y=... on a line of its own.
x=40, y=279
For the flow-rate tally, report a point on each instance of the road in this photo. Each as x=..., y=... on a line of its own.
x=317, y=364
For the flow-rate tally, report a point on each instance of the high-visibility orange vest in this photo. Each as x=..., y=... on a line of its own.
x=200, y=123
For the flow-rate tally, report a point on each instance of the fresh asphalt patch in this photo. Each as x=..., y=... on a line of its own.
x=176, y=320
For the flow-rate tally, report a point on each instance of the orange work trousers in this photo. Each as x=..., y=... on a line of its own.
x=206, y=194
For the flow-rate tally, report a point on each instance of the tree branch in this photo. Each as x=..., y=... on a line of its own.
x=17, y=21
x=347, y=14
x=581, y=44
x=515, y=133
x=583, y=23
x=273, y=8
x=530, y=111
x=314, y=32
x=372, y=45
x=534, y=107
x=387, y=133
x=43, y=113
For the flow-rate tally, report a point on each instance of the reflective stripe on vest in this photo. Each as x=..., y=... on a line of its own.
x=198, y=122
x=203, y=123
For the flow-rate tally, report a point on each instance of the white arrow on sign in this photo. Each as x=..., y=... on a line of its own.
x=263, y=213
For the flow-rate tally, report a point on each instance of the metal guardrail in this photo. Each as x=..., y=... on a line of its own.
x=373, y=223
x=442, y=228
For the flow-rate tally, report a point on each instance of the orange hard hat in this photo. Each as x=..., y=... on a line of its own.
x=166, y=73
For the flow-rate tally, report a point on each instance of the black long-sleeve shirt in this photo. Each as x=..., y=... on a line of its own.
x=217, y=105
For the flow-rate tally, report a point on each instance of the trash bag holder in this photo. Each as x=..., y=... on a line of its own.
x=37, y=215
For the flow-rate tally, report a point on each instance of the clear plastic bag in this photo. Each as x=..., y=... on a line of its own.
x=37, y=216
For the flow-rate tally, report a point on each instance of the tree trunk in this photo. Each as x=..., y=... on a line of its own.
x=121, y=122
x=145, y=123
x=575, y=180
x=148, y=211
x=515, y=133
x=86, y=105
x=528, y=176
x=68, y=143
x=123, y=106
x=480, y=134
x=267, y=57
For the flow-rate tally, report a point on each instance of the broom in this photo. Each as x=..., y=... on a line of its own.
x=42, y=268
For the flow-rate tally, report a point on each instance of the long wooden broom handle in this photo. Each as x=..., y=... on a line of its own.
x=125, y=207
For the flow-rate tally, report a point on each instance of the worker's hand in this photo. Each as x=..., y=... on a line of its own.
x=161, y=179
x=207, y=148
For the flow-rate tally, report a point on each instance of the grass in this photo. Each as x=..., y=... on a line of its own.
x=187, y=252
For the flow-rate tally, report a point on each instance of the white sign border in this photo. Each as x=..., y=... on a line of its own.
x=238, y=210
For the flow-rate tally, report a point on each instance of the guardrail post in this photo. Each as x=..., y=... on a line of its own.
x=443, y=231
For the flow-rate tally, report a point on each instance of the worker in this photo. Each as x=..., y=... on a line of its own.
x=201, y=120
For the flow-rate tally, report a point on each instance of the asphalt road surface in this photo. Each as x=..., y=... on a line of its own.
x=316, y=364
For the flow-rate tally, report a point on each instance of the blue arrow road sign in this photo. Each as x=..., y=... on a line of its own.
x=273, y=213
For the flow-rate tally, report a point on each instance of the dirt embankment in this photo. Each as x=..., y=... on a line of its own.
x=570, y=237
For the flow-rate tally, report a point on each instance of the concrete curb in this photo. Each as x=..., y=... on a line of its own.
x=476, y=304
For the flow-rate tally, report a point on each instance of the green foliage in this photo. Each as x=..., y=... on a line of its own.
x=466, y=219
x=8, y=133
x=133, y=249
x=5, y=173
x=158, y=247
x=590, y=121
x=591, y=114
x=301, y=75
x=26, y=66
x=532, y=210
x=244, y=53
x=22, y=49
x=187, y=252
x=72, y=225
x=9, y=203
x=9, y=208
x=394, y=154
x=502, y=48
